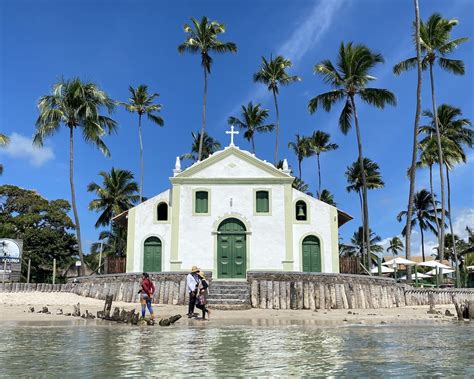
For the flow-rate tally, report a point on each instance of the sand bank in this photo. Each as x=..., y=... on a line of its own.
x=14, y=307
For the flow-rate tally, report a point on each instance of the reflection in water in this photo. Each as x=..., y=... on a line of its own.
x=212, y=350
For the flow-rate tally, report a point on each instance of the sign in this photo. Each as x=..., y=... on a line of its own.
x=78, y=263
x=10, y=250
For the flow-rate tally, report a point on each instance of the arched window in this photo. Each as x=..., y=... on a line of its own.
x=301, y=211
x=162, y=212
x=262, y=202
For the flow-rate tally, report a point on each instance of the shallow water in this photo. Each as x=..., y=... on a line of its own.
x=217, y=350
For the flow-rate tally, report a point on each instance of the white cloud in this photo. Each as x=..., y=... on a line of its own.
x=465, y=217
x=22, y=147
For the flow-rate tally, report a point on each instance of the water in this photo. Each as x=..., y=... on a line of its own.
x=252, y=349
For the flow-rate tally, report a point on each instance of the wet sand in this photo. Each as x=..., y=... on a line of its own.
x=14, y=308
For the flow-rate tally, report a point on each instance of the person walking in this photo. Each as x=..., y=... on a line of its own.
x=201, y=301
x=146, y=295
x=192, y=283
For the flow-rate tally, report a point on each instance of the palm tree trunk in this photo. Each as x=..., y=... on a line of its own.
x=299, y=167
x=433, y=203
x=364, y=184
x=141, y=155
x=363, y=234
x=203, y=127
x=253, y=145
x=451, y=229
x=319, y=176
x=411, y=192
x=73, y=198
x=277, y=128
x=440, y=162
x=422, y=244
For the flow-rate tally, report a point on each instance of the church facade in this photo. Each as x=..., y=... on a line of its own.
x=229, y=214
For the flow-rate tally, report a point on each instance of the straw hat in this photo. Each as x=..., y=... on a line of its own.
x=201, y=274
x=194, y=269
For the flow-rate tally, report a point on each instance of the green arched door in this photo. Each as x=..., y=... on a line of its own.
x=152, y=255
x=311, y=254
x=231, y=249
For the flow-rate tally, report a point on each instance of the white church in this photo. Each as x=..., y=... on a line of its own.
x=232, y=213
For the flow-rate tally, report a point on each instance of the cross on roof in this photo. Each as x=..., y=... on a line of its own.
x=231, y=132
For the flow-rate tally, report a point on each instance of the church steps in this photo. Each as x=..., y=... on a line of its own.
x=229, y=295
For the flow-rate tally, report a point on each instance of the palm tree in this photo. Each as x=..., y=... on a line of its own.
x=455, y=133
x=76, y=105
x=320, y=144
x=358, y=239
x=117, y=193
x=436, y=43
x=4, y=140
x=350, y=77
x=203, y=39
x=411, y=191
x=114, y=242
x=424, y=215
x=301, y=186
x=141, y=103
x=302, y=148
x=253, y=119
x=327, y=197
x=209, y=146
x=273, y=74
x=395, y=246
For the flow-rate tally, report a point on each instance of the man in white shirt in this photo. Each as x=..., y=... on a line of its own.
x=192, y=283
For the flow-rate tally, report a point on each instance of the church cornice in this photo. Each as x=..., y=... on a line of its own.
x=217, y=181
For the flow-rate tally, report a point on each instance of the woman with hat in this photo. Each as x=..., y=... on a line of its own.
x=192, y=282
x=201, y=300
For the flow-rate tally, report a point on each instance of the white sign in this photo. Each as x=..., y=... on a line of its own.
x=78, y=263
x=10, y=251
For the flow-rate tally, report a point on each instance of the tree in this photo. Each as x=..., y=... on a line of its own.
x=76, y=105
x=4, y=140
x=302, y=148
x=141, y=103
x=358, y=241
x=117, y=194
x=395, y=246
x=424, y=215
x=354, y=177
x=203, y=39
x=301, y=186
x=319, y=143
x=209, y=146
x=273, y=74
x=44, y=226
x=253, y=121
x=327, y=197
x=455, y=133
x=436, y=43
x=349, y=78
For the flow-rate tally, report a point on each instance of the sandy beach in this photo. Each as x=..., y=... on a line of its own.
x=15, y=307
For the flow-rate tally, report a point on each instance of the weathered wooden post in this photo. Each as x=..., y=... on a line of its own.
x=4, y=270
x=29, y=270
x=54, y=270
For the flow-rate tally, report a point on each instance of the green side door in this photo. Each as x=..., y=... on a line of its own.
x=231, y=250
x=152, y=255
x=311, y=254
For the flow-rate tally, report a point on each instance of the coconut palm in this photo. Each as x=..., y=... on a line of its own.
x=4, y=140
x=117, y=193
x=114, y=242
x=76, y=105
x=327, y=197
x=273, y=74
x=302, y=148
x=358, y=239
x=455, y=133
x=301, y=186
x=395, y=246
x=424, y=215
x=436, y=44
x=354, y=177
x=349, y=78
x=209, y=146
x=253, y=121
x=203, y=39
x=320, y=144
x=141, y=103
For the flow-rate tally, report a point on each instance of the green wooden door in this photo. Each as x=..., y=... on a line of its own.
x=152, y=255
x=231, y=249
x=311, y=254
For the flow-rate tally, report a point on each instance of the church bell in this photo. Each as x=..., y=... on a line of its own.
x=301, y=211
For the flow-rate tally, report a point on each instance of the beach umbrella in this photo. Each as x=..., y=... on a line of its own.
x=447, y=271
x=385, y=270
x=413, y=276
x=399, y=261
x=434, y=264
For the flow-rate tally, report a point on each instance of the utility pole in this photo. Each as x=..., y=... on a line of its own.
x=100, y=257
x=29, y=270
x=54, y=270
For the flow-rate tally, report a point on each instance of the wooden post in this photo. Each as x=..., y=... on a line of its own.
x=54, y=270
x=29, y=270
x=4, y=269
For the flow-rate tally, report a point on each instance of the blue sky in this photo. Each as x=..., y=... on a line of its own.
x=118, y=43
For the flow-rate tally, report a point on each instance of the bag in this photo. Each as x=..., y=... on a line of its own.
x=201, y=300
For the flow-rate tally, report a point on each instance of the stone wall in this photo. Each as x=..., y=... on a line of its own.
x=268, y=290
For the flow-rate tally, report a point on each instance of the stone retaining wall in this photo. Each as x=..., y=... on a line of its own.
x=271, y=290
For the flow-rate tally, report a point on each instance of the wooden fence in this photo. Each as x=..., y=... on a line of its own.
x=115, y=265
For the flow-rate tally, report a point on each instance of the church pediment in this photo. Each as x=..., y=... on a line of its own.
x=233, y=163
